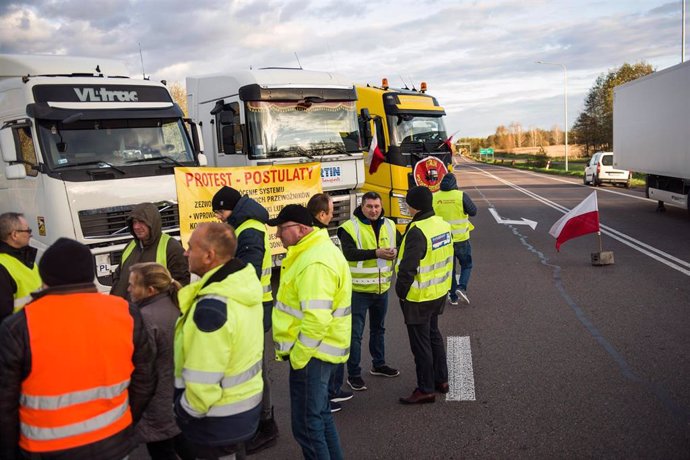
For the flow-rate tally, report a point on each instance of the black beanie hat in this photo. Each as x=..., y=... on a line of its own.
x=420, y=198
x=66, y=262
x=225, y=199
x=449, y=182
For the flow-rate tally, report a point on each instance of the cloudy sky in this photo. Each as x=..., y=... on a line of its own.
x=478, y=57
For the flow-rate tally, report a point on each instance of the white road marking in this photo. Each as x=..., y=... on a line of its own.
x=499, y=220
x=460, y=373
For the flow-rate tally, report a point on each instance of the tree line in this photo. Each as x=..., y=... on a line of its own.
x=593, y=128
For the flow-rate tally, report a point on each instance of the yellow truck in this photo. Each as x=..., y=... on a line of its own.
x=409, y=128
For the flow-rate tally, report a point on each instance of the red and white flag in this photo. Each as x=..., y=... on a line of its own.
x=581, y=220
x=375, y=157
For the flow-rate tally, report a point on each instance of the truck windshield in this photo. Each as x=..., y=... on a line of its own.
x=287, y=129
x=416, y=129
x=114, y=142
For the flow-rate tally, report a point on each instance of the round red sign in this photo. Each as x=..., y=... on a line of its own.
x=429, y=172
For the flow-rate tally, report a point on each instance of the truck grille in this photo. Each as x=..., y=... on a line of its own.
x=112, y=222
x=341, y=213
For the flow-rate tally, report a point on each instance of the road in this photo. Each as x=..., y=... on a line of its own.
x=568, y=360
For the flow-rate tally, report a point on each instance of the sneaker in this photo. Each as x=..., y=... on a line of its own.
x=463, y=295
x=356, y=383
x=452, y=301
x=384, y=371
x=335, y=407
x=342, y=395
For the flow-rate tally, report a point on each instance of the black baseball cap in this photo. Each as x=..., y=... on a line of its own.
x=292, y=213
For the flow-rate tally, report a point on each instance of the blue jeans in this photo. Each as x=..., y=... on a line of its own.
x=463, y=253
x=312, y=421
x=336, y=381
x=377, y=305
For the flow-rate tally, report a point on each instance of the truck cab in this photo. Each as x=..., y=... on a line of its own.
x=81, y=145
x=409, y=127
x=279, y=116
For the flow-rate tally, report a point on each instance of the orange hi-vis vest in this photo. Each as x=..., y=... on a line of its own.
x=81, y=363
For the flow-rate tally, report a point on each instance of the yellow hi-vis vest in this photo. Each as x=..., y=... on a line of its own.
x=312, y=316
x=448, y=205
x=368, y=275
x=266, y=263
x=220, y=371
x=28, y=280
x=433, y=277
x=161, y=250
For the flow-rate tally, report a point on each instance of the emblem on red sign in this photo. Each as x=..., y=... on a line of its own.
x=429, y=172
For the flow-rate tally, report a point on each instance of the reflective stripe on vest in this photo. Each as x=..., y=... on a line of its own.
x=27, y=279
x=72, y=396
x=266, y=262
x=161, y=250
x=223, y=410
x=211, y=378
x=448, y=205
x=35, y=434
x=433, y=277
x=367, y=275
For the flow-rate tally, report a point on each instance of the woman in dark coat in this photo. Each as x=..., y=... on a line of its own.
x=152, y=289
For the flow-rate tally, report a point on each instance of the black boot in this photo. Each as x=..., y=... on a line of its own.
x=266, y=436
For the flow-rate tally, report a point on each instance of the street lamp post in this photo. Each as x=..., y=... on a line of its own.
x=565, y=104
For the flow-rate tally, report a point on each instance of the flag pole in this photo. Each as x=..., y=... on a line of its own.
x=600, y=246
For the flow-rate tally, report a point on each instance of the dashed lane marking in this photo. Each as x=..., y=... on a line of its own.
x=460, y=373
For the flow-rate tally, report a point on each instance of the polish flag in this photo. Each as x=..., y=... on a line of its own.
x=375, y=157
x=448, y=142
x=581, y=220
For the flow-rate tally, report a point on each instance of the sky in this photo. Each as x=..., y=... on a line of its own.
x=477, y=57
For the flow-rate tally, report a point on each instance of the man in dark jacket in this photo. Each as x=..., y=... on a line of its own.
x=150, y=244
x=248, y=218
x=456, y=208
x=423, y=280
x=77, y=366
x=18, y=273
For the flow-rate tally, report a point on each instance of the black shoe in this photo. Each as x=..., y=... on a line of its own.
x=384, y=371
x=356, y=383
x=342, y=395
x=266, y=436
x=336, y=407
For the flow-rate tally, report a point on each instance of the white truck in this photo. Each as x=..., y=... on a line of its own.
x=283, y=116
x=651, y=132
x=81, y=144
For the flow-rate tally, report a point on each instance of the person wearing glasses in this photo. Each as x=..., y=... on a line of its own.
x=311, y=326
x=18, y=271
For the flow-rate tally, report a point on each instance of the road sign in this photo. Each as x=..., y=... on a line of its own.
x=488, y=151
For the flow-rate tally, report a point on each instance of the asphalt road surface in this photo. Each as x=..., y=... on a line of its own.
x=553, y=357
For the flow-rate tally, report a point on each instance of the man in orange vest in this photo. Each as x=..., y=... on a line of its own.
x=76, y=366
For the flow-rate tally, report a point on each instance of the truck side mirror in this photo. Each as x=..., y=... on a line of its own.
x=228, y=134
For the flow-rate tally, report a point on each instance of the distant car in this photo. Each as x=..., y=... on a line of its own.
x=600, y=169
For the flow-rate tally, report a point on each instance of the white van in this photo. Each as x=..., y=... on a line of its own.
x=600, y=169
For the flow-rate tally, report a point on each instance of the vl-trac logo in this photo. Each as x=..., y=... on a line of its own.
x=104, y=95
